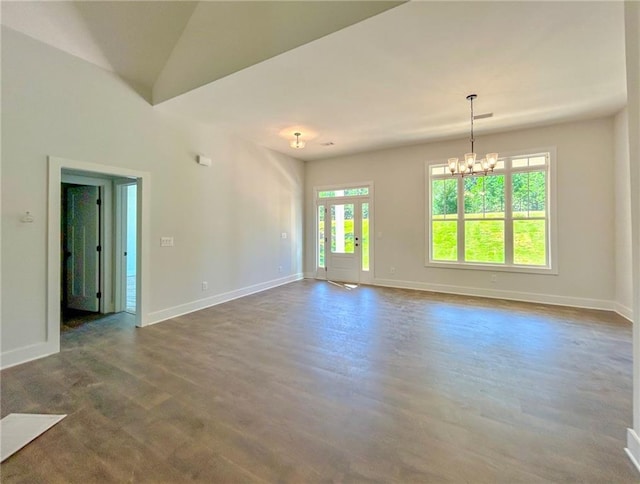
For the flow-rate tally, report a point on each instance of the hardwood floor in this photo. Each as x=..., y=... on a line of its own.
x=313, y=383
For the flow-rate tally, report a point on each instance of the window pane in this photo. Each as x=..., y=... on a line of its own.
x=494, y=196
x=354, y=192
x=538, y=160
x=529, y=246
x=321, y=236
x=438, y=170
x=473, y=196
x=484, y=241
x=342, y=235
x=444, y=199
x=529, y=194
x=484, y=197
x=329, y=194
x=347, y=192
x=365, y=236
x=444, y=235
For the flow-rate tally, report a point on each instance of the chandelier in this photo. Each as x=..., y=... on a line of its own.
x=470, y=165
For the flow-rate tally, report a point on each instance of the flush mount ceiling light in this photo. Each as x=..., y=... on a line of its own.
x=296, y=143
x=471, y=166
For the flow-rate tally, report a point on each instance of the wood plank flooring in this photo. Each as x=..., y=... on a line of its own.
x=310, y=382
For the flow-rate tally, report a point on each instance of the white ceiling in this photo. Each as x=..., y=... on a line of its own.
x=398, y=77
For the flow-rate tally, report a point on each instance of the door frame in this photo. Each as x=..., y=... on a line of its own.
x=366, y=277
x=56, y=167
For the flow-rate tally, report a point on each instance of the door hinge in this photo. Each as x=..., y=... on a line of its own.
x=99, y=295
x=125, y=254
x=325, y=239
x=99, y=201
x=99, y=248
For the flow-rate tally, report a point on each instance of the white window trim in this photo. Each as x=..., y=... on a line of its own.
x=552, y=242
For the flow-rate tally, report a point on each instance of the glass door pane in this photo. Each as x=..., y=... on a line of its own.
x=132, y=210
x=365, y=236
x=342, y=229
x=321, y=236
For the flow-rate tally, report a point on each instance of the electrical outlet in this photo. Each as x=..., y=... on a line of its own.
x=166, y=241
x=392, y=270
x=494, y=277
x=205, y=285
x=279, y=268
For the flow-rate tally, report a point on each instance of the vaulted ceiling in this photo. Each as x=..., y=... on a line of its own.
x=358, y=74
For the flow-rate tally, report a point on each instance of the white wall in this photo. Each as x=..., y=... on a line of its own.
x=623, y=252
x=585, y=204
x=226, y=220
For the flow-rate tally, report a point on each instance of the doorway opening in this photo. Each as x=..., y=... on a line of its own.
x=343, y=233
x=98, y=226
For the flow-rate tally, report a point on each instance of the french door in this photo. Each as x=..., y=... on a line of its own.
x=343, y=240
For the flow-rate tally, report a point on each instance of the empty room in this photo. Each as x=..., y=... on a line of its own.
x=320, y=241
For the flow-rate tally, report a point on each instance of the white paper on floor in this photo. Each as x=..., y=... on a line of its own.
x=18, y=429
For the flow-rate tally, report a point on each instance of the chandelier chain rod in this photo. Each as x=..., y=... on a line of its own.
x=472, y=139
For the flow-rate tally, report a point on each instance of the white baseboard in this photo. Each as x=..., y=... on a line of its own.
x=633, y=448
x=27, y=353
x=499, y=294
x=623, y=311
x=173, y=312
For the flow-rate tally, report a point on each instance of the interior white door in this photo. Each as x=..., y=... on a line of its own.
x=83, y=258
x=344, y=244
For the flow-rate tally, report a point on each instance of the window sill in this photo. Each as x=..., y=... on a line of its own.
x=549, y=271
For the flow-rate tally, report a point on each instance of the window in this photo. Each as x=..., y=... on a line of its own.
x=500, y=220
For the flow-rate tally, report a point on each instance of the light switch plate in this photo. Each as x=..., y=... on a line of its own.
x=166, y=241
